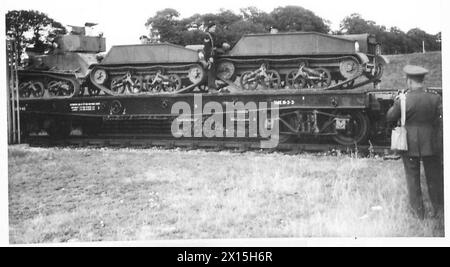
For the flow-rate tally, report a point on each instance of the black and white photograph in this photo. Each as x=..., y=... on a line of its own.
x=205, y=123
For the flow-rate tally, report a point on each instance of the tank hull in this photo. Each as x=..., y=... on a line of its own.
x=301, y=60
x=147, y=69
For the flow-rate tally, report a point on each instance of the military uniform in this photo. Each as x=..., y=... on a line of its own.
x=208, y=48
x=423, y=124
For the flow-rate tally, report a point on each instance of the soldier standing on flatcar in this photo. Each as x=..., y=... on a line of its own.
x=423, y=124
x=209, y=50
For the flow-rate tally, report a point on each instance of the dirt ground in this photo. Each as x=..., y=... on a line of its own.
x=69, y=194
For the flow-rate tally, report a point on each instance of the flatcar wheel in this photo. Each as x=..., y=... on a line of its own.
x=356, y=129
x=325, y=78
x=117, y=85
x=173, y=84
x=273, y=80
x=296, y=83
x=248, y=82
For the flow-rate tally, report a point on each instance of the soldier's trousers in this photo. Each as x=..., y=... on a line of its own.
x=211, y=75
x=435, y=182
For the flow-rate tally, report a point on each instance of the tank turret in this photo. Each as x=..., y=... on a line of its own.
x=62, y=71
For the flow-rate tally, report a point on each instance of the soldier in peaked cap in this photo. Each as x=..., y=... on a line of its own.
x=423, y=125
x=208, y=48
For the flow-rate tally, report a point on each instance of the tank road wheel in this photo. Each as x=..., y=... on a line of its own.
x=60, y=88
x=147, y=83
x=297, y=83
x=173, y=83
x=325, y=78
x=248, y=82
x=31, y=89
x=356, y=129
x=272, y=81
x=226, y=71
x=137, y=84
x=117, y=85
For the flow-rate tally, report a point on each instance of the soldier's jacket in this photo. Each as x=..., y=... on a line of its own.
x=208, y=45
x=423, y=122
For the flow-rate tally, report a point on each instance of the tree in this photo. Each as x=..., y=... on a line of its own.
x=163, y=26
x=418, y=36
x=355, y=24
x=32, y=28
x=296, y=18
x=257, y=17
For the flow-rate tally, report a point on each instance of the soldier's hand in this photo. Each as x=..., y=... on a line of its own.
x=211, y=60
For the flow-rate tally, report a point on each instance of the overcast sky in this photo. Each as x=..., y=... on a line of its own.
x=123, y=21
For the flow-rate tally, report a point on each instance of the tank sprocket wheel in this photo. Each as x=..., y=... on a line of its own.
x=379, y=69
x=226, y=71
x=272, y=81
x=349, y=68
x=248, y=83
x=196, y=74
x=356, y=130
x=296, y=83
x=325, y=78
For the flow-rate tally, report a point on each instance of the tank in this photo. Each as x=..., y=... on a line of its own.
x=300, y=60
x=147, y=69
x=62, y=72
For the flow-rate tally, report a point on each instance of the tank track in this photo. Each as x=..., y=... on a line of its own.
x=141, y=71
x=52, y=85
x=339, y=85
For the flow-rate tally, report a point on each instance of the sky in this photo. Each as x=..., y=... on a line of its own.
x=122, y=22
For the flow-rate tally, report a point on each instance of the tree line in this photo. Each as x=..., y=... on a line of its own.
x=166, y=26
x=36, y=29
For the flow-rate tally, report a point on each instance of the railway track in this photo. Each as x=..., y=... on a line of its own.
x=234, y=145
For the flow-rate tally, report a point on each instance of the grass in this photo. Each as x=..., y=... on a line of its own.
x=65, y=195
x=393, y=76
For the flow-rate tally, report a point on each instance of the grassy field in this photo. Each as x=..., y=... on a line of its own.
x=393, y=76
x=65, y=195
